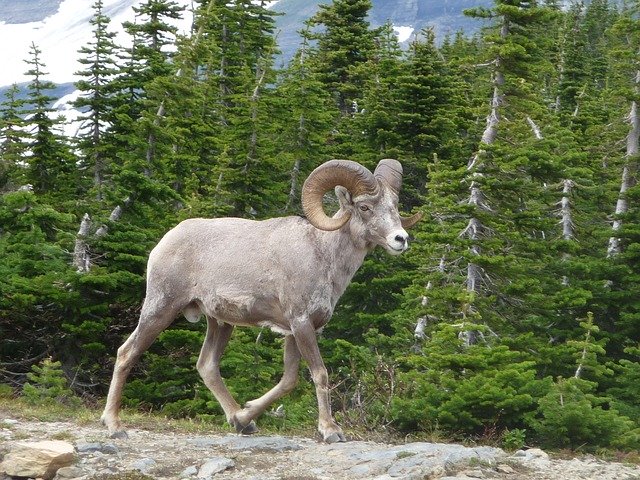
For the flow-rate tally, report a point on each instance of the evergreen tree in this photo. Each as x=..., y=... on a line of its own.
x=621, y=303
x=99, y=58
x=12, y=139
x=573, y=77
x=345, y=41
x=431, y=114
x=47, y=384
x=514, y=142
x=152, y=34
x=305, y=118
x=237, y=71
x=51, y=163
x=149, y=58
x=34, y=279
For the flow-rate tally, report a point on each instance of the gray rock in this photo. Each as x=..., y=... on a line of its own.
x=410, y=461
x=504, y=468
x=144, y=465
x=464, y=477
x=70, y=472
x=10, y=421
x=189, y=471
x=233, y=442
x=473, y=473
x=89, y=447
x=533, y=457
x=214, y=465
x=532, y=454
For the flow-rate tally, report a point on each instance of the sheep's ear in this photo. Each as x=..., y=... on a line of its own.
x=344, y=197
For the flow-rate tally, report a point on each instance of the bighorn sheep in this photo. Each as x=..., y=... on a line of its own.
x=285, y=273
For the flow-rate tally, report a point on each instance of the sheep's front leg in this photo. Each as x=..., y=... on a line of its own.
x=305, y=337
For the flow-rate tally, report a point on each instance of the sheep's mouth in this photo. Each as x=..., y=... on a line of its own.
x=394, y=250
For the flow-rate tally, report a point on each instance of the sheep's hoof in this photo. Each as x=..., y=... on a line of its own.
x=248, y=429
x=335, y=437
x=119, y=434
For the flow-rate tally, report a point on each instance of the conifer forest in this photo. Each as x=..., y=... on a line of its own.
x=515, y=314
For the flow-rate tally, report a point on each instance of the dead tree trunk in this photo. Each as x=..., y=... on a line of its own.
x=81, y=258
x=475, y=229
x=566, y=220
x=628, y=171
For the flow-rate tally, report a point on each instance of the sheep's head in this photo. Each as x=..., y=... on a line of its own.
x=369, y=200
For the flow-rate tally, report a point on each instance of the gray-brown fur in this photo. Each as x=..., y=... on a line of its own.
x=284, y=273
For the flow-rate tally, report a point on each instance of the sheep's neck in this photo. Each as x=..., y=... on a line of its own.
x=345, y=259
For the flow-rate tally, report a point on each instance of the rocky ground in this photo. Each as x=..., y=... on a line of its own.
x=165, y=455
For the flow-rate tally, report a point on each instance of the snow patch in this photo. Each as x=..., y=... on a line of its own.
x=60, y=36
x=403, y=33
x=73, y=118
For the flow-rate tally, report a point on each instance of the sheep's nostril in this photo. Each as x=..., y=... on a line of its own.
x=400, y=238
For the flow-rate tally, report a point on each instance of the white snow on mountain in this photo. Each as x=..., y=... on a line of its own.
x=403, y=33
x=60, y=36
x=73, y=118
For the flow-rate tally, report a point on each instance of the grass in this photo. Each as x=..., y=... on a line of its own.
x=67, y=436
x=85, y=416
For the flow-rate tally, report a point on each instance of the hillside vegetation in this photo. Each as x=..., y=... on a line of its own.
x=513, y=317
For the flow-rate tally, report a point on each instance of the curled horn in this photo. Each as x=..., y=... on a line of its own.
x=408, y=222
x=351, y=175
x=390, y=171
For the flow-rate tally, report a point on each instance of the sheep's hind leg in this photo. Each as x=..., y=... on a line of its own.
x=287, y=383
x=150, y=325
x=208, y=365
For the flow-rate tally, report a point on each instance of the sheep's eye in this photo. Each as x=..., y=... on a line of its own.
x=364, y=208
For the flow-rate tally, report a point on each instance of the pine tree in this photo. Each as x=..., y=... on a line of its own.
x=431, y=114
x=572, y=75
x=149, y=58
x=237, y=71
x=503, y=194
x=51, y=163
x=301, y=143
x=34, y=278
x=620, y=301
x=48, y=384
x=628, y=57
x=345, y=42
x=152, y=33
x=13, y=147
x=96, y=88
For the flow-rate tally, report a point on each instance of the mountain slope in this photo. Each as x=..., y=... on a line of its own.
x=60, y=27
x=444, y=16
x=59, y=35
x=27, y=11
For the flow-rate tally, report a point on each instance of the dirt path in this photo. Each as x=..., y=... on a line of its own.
x=163, y=455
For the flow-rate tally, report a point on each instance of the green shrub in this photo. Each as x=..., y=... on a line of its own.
x=514, y=439
x=571, y=416
x=6, y=391
x=470, y=391
x=48, y=385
